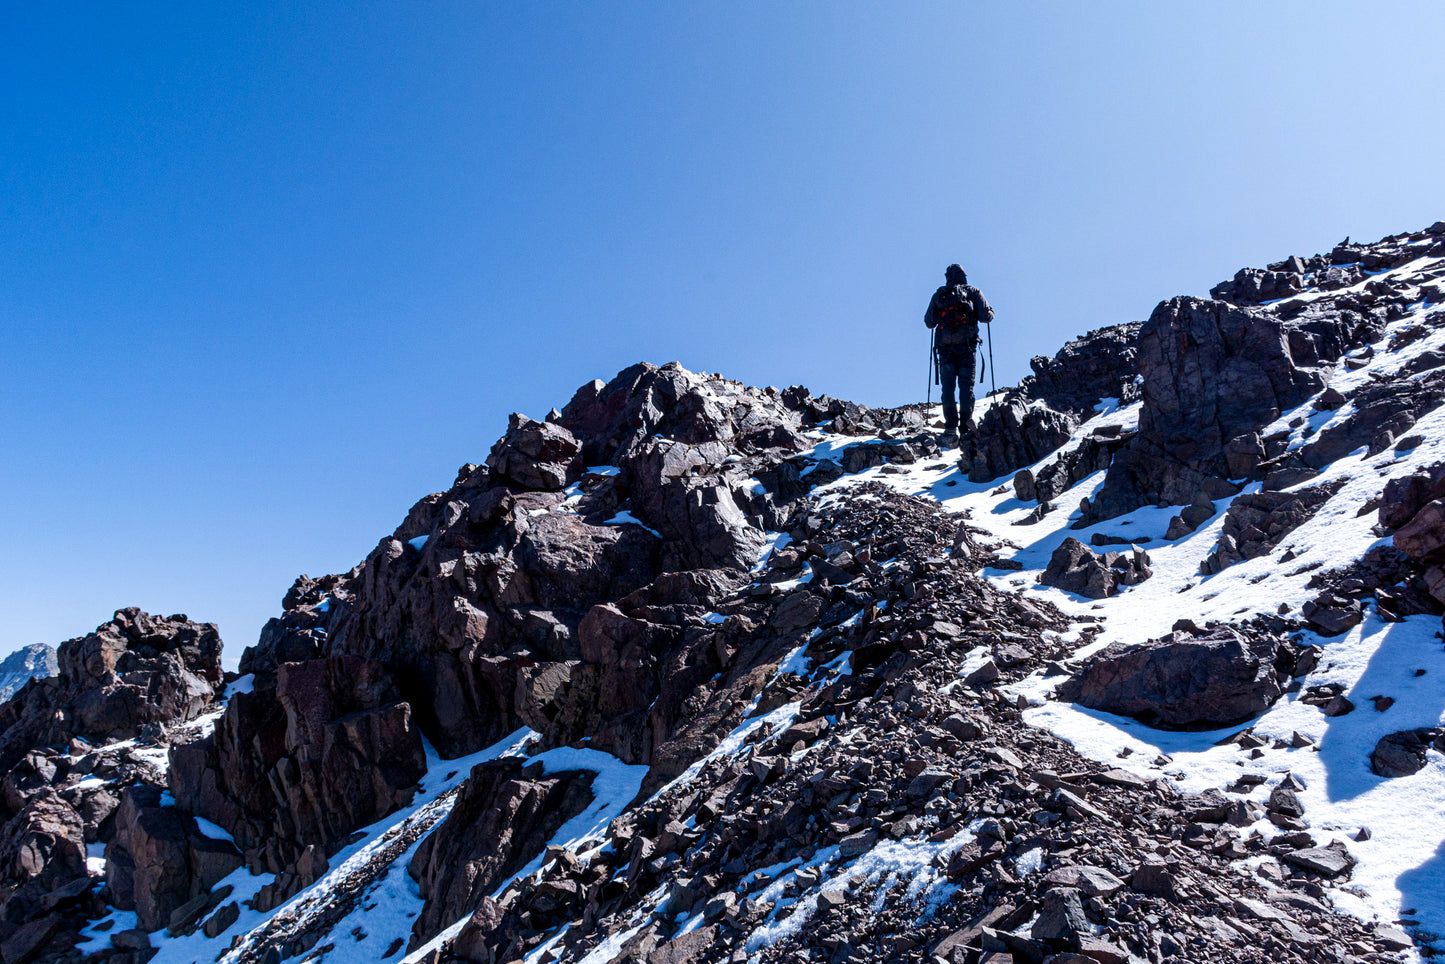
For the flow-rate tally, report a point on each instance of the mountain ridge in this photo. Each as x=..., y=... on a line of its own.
x=695, y=671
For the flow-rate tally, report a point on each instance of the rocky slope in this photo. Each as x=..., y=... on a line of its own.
x=691, y=671
x=84, y=759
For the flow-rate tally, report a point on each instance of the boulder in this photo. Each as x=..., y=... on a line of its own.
x=1423, y=537
x=1074, y=567
x=1402, y=754
x=1013, y=433
x=1061, y=918
x=1405, y=496
x=1329, y=861
x=1183, y=681
x=536, y=455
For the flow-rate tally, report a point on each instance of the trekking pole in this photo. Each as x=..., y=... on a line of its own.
x=993, y=387
x=928, y=399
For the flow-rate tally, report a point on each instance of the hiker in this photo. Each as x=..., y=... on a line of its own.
x=954, y=315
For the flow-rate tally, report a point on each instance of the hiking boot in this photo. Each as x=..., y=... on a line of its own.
x=949, y=439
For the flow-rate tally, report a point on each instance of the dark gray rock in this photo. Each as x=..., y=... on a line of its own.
x=1330, y=861
x=1402, y=754
x=504, y=816
x=537, y=455
x=1405, y=496
x=1074, y=567
x=1184, y=681
x=1015, y=432
x=134, y=671
x=1099, y=365
x=1212, y=373
x=1256, y=523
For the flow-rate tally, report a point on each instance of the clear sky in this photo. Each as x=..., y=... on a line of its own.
x=270, y=272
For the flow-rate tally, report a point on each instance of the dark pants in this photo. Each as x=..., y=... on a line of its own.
x=955, y=372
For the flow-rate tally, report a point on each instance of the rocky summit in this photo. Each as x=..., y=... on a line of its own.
x=1147, y=670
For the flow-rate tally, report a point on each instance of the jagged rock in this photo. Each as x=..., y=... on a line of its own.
x=645, y=401
x=1087, y=370
x=1025, y=487
x=1212, y=373
x=1283, y=800
x=1013, y=433
x=222, y=919
x=1091, y=455
x=1331, y=615
x=43, y=846
x=1153, y=876
x=503, y=818
x=1184, y=681
x=344, y=749
x=1255, y=523
x=474, y=940
x=1075, y=568
x=537, y=455
x=159, y=860
x=1061, y=918
x=1405, y=496
x=1423, y=537
x=1091, y=881
x=1243, y=455
x=133, y=671
x=1329, y=861
x=1253, y=286
x=1382, y=412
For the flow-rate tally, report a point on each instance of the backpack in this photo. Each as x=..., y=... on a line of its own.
x=957, y=317
x=955, y=307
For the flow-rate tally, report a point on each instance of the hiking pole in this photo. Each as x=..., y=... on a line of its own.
x=928, y=399
x=993, y=388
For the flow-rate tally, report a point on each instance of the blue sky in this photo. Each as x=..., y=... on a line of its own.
x=269, y=273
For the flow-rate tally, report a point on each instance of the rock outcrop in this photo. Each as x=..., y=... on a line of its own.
x=159, y=863
x=1102, y=364
x=1074, y=567
x=1014, y=432
x=1402, y=754
x=1212, y=373
x=136, y=681
x=1256, y=523
x=306, y=757
x=135, y=671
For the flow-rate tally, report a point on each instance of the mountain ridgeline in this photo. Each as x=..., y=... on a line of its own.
x=692, y=671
